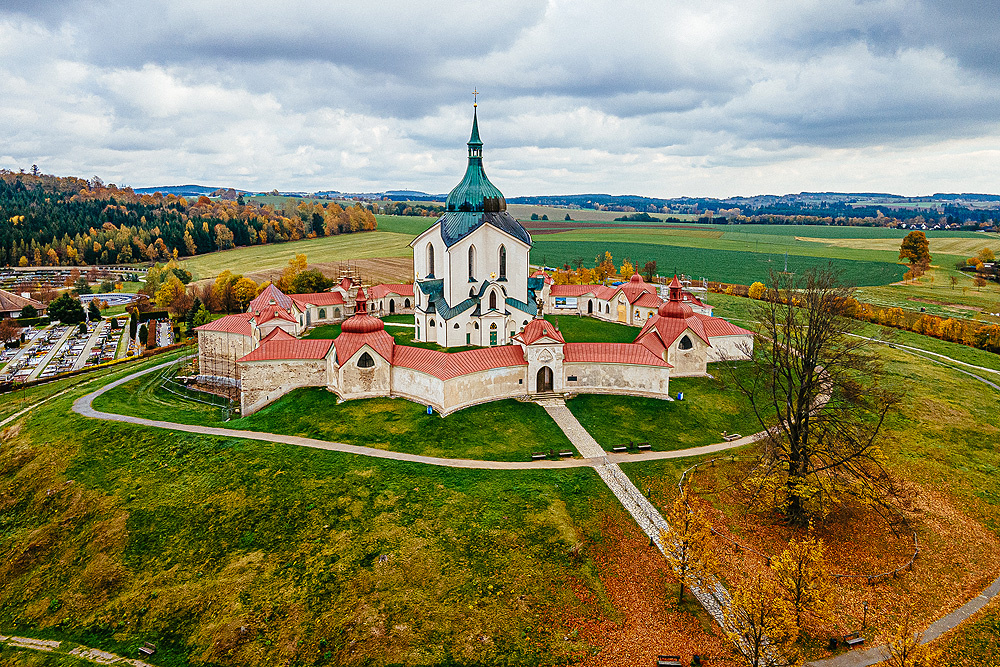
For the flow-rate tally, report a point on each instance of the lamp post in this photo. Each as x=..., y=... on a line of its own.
x=864, y=621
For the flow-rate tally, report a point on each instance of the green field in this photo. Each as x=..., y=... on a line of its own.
x=718, y=265
x=359, y=245
x=224, y=551
x=582, y=329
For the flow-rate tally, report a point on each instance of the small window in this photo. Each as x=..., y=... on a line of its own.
x=336, y=313
x=456, y=325
x=493, y=300
x=322, y=313
x=366, y=361
x=432, y=322
x=503, y=263
x=524, y=323
x=571, y=378
x=476, y=325
x=685, y=343
x=406, y=303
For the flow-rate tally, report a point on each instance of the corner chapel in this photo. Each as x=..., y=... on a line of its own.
x=471, y=268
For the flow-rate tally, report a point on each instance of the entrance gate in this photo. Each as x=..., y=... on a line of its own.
x=544, y=380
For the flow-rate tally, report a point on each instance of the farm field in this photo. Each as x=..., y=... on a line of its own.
x=721, y=265
x=934, y=292
x=275, y=256
x=228, y=552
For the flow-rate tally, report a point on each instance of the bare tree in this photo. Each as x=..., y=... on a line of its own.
x=819, y=390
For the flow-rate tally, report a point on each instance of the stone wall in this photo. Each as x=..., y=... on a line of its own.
x=265, y=381
x=419, y=387
x=352, y=381
x=688, y=362
x=608, y=378
x=219, y=350
x=484, y=386
x=729, y=348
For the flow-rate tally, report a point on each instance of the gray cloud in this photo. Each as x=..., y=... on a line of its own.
x=640, y=96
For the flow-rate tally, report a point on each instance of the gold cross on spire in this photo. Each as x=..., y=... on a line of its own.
x=475, y=98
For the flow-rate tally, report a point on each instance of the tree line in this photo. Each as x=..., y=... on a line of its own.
x=56, y=221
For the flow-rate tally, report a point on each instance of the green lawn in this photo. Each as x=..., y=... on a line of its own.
x=709, y=408
x=359, y=245
x=501, y=431
x=321, y=558
x=584, y=329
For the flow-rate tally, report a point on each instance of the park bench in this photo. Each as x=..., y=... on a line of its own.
x=147, y=649
x=619, y=450
x=854, y=639
x=643, y=446
x=565, y=453
x=536, y=456
x=668, y=661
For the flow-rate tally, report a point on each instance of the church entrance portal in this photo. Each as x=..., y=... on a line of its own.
x=544, y=379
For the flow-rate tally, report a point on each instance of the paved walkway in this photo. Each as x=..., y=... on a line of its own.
x=83, y=652
x=51, y=353
x=81, y=360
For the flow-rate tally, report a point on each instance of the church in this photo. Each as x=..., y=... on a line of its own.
x=473, y=287
x=471, y=266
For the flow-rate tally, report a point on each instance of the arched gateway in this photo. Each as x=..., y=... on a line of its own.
x=544, y=380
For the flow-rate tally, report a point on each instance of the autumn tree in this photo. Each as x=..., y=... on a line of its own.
x=627, y=270
x=761, y=622
x=800, y=572
x=295, y=266
x=757, y=290
x=649, y=270
x=818, y=389
x=904, y=649
x=915, y=248
x=244, y=290
x=688, y=544
x=979, y=282
x=986, y=255
x=10, y=331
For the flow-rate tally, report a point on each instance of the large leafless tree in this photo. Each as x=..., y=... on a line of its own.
x=819, y=388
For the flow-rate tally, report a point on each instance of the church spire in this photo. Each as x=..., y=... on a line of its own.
x=475, y=143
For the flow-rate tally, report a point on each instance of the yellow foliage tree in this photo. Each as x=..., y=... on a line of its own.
x=905, y=650
x=244, y=291
x=605, y=267
x=986, y=255
x=756, y=290
x=801, y=573
x=168, y=291
x=688, y=544
x=296, y=265
x=761, y=622
x=627, y=270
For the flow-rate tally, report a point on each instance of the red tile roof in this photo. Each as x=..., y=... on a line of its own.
x=448, y=365
x=277, y=350
x=277, y=334
x=318, y=299
x=648, y=300
x=10, y=302
x=537, y=329
x=669, y=329
x=235, y=324
x=612, y=353
x=349, y=343
x=716, y=326
x=379, y=291
x=272, y=312
x=268, y=295
x=571, y=290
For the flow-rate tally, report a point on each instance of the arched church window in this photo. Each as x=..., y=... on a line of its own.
x=366, y=361
x=322, y=313
x=493, y=300
x=685, y=343
x=607, y=309
x=472, y=263
x=406, y=303
x=336, y=313
x=476, y=325
x=503, y=263
x=432, y=322
x=430, y=259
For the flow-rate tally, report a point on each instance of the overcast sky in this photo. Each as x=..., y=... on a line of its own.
x=658, y=98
